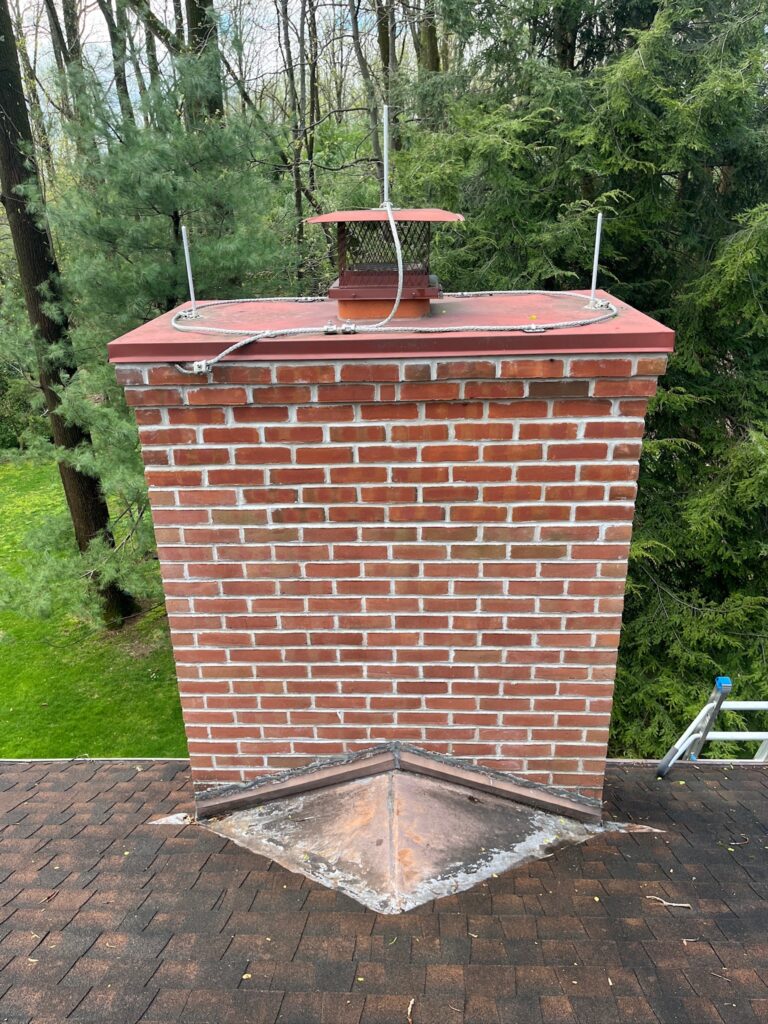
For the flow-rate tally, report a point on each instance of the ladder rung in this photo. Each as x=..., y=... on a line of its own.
x=727, y=736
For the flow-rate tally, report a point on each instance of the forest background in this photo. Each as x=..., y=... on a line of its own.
x=239, y=120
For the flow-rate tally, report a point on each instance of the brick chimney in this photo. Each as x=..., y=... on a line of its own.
x=396, y=537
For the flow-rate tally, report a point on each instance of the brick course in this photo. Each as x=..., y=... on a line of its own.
x=432, y=551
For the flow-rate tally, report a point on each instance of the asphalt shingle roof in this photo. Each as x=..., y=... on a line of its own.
x=107, y=918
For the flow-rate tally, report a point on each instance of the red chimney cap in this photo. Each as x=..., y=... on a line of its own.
x=380, y=214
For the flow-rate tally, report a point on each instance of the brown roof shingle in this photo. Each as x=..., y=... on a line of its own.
x=106, y=918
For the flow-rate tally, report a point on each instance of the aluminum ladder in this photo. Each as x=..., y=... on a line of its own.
x=699, y=732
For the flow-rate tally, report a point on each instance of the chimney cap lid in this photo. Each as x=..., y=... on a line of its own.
x=380, y=214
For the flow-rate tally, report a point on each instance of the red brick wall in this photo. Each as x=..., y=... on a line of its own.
x=366, y=551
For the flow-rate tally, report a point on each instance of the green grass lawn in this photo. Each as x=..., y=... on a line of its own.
x=66, y=688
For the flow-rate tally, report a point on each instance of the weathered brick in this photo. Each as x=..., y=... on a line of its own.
x=160, y=397
x=485, y=431
x=653, y=366
x=261, y=414
x=466, y=369
x=149, y=416
x=226, y=373
x=204, y=456
x=577, y=452
x=531, y=368
x=600, y=367
x=344, y=393
x=216, y=397
x=581, y=408
x=127, y=375
x=369, y=372
x=433, y=391
x=493, y=389
x=558, y=389
x=512, y=492
x=421, y=432
x=207, y=416
x=525, y=409
x=293, y=435
x=357, y=435
x=306, y=373
x=248, y=456
x=635, y=387
x=512, y=452
x=169, y=477
x=168, y=436
x=388, y=411
x=281, y=395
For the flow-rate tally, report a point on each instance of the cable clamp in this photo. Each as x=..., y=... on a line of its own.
x=330, y=328
x=201, y=367
x=597, y=304
x=189, y=314
x=349, y=328
x=533, y=329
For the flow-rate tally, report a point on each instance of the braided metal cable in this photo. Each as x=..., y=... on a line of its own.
x=185, y=323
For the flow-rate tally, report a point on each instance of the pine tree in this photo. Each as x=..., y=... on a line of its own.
x=38, y=272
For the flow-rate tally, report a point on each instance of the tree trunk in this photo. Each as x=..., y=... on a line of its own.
x=565, y=28
x=382, y=32
x=204, y=41
x=72, y=32
x=370, y=91
x=297, y=137
x=123, y=31
x=153, y=63
x=78, y=80
x=391, y=74
x=39, y=273
x=59, y=55
x=178, y=19
x=338, y=64
x=37, y=117
x=314, y=95
x=116, y=27
x=133, y=55
x=429, y=49
x=386, y=34
x=412, y=16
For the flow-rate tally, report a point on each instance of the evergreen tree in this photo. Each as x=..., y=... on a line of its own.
x=118, y=226
x=38, y=273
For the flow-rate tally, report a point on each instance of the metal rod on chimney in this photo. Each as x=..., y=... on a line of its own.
x=386, y=155
x=188, y=261
x=596, y=260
